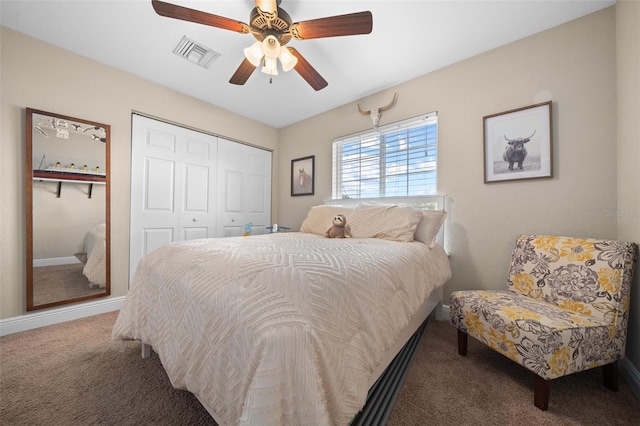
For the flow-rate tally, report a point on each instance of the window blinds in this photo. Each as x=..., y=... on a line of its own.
x=398, y=159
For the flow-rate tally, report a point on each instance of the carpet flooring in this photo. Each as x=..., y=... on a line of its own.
x=60, y=282
x=73, y=374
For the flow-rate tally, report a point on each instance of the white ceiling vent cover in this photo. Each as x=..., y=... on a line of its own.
x=196, y=53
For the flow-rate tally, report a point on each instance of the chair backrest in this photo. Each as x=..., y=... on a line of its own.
x=589, y=276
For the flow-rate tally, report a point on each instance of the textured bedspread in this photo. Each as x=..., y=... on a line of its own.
x=94, y=246
x=280, y=328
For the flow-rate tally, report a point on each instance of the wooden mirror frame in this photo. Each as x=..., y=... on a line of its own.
x=29, y=177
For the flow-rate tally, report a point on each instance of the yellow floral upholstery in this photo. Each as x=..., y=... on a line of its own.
x=565, y=309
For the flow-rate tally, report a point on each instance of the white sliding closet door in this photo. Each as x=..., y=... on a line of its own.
x=187, y=185
x=244, y=189
x=173, y=186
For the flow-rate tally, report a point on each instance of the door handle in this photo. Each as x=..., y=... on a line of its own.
x=195, y=220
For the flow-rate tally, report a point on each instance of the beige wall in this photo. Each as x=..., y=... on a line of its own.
x=38, y=75
x=628, y=207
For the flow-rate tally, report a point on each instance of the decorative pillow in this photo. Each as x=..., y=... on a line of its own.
x=320, y=218
x=429, y=226
x=389, y=222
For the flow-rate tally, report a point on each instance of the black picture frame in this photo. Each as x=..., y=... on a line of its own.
x=530, y=125
x=302, y=176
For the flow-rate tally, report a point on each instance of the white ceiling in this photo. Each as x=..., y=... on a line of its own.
x=409, y=39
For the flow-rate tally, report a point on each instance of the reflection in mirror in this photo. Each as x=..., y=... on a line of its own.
x=67, y=205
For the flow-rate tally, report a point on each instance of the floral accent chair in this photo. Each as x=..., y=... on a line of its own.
x=566, y=309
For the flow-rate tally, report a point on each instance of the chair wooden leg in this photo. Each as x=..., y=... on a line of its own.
x=610, y=376
x=462, y=343
x=541, y=393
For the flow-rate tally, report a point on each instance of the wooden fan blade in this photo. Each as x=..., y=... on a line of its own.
x=243, y=73
x=308, y=72
x=333, y=26
x=199, y=17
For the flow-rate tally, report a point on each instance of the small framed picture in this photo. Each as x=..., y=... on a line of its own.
x=302, y=176
x=518, y=144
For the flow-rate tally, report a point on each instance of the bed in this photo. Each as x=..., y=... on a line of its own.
x=288, y=328
x=93, y=256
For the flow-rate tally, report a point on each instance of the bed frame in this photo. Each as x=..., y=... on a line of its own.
x=382, y=396
x=388, y=379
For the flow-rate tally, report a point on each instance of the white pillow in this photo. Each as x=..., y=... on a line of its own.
x=320, y=218
x=429, y=226
x=389, y=222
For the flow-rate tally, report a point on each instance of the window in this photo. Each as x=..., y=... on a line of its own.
x=396, y=160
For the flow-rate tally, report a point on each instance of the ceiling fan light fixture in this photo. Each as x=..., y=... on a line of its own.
x=254, y=53
x=271, y=47
x=287, y=60
x=270, y=66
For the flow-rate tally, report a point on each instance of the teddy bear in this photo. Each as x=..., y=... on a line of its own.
x=339, y=229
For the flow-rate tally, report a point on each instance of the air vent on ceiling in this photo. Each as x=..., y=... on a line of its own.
x=196, y=53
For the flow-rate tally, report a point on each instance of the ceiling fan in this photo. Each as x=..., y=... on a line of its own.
x=273, y=28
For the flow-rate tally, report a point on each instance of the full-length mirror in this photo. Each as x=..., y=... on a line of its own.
x=67, y=209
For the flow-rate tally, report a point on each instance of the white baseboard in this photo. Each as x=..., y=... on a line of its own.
x=628, y=371
x=54, y=261
x=58, y=315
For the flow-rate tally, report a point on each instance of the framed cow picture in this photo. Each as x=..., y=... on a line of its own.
x=518, y=144
x=302, y=179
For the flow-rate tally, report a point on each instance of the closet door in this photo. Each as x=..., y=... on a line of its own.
x=244, y=189
x=173, y=184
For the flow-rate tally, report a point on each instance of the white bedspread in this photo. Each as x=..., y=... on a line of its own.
x=279, y=328
x=95, y=248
